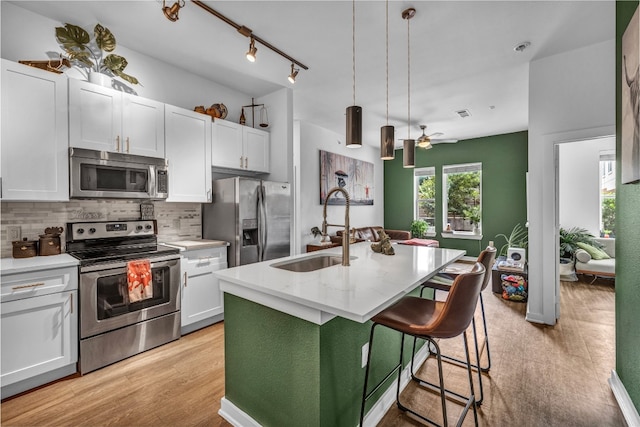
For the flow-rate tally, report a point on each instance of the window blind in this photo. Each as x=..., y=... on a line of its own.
x=468, y=167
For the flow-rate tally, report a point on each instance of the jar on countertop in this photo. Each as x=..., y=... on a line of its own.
x=50, y=241
x=24, y=248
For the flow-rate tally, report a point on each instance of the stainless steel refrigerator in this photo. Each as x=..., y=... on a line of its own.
x=252, y=215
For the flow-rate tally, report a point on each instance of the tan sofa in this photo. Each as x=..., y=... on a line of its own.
x=598, y=267
x=371, y=234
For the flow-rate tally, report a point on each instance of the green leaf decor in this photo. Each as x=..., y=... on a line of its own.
x=88, y=54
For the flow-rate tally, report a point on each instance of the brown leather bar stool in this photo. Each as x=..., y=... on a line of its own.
x=443, y=281
x=430, y=320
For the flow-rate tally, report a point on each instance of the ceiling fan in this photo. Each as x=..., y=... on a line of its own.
x=426, y=141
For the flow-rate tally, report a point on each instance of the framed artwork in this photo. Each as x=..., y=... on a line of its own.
x=630, y=156
x=353, y=175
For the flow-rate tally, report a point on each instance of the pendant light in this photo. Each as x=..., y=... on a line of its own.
x=354, y=113
x=387, y=137
x=409, y=145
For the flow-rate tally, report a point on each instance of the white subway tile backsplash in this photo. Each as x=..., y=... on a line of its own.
x=35, y=217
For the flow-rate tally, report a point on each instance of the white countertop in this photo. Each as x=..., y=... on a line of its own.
x=373, y=282
x=21, y=265
x=189, y=245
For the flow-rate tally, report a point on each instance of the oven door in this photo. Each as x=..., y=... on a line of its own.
x=104, y=297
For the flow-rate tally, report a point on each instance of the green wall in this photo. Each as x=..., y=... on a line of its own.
x=627, y=244
x=504, y=203
x=284, y=371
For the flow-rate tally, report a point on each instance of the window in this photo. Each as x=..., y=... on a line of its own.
x=607, y=194
x=425, y=196
x=462, y=196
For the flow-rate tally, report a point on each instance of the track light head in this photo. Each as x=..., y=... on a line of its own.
x=251, y=53
x=171, y=12
x=294, y=73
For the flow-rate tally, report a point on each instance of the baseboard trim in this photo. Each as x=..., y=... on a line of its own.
x=534, y=317
x=235, y=416
x=238, y=418
x=627, y=407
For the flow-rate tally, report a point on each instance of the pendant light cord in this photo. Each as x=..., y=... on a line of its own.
x=387, y=62
x=408, y=80
x=354, y=49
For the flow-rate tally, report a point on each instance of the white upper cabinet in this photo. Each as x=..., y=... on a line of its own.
x=239, y=147
x=256, y=149
x=188, y=146
x=35, y=159
x=105, y=119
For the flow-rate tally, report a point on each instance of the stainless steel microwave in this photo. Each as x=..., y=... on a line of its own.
x=102, y=174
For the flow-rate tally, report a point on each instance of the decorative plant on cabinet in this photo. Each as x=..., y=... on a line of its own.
x=88, y=54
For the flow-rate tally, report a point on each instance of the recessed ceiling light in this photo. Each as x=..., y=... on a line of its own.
x=521, y=46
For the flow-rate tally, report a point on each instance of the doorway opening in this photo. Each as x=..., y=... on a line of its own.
x=585, y=203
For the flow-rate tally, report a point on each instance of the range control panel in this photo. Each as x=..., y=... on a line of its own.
x=105, y=230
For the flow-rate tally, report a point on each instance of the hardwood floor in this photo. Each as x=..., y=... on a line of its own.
x=541, y=376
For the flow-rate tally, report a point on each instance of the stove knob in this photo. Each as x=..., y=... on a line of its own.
x=80, y=230
x=138, y=228
x=92, y=230
x=148, y=227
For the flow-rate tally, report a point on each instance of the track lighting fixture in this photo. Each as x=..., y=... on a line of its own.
x=294, y=73
x=172, y=12
x=251, y=53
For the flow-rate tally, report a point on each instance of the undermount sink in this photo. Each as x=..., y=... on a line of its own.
x=312, y=263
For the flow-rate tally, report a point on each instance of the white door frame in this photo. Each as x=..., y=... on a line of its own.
x=544, y=293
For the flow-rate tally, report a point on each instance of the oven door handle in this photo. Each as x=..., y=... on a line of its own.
x=161, y=261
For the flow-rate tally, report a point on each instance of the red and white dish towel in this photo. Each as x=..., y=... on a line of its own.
x=139, y=280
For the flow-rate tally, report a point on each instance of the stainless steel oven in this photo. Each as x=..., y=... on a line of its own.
x=102, y=174
x=113, y=326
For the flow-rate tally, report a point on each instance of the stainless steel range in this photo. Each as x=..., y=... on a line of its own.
x=114, y=322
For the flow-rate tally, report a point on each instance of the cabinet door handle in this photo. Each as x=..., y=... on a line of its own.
x=118, y=143
x=185, y=279
x=208, y=195
x=127, y=145
x=241, y=158
x=71, y=298
x=33, y=285
x=246, y=162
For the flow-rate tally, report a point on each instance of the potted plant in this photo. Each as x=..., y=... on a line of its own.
x=473, y=215
x=569, y=239
x=519, y=238
x=418, y=228
x=88, y=54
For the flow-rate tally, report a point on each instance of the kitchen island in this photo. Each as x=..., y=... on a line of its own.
x=293, y=340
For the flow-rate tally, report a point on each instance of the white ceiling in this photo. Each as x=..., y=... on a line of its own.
x=462, y=54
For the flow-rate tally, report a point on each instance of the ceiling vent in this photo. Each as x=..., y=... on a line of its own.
x=463, y=113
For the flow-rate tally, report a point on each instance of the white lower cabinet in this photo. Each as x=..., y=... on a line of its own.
x=39, y=325
x=202, y=303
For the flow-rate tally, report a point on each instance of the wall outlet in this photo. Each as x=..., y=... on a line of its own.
x=14, y=232
x=365, y=353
